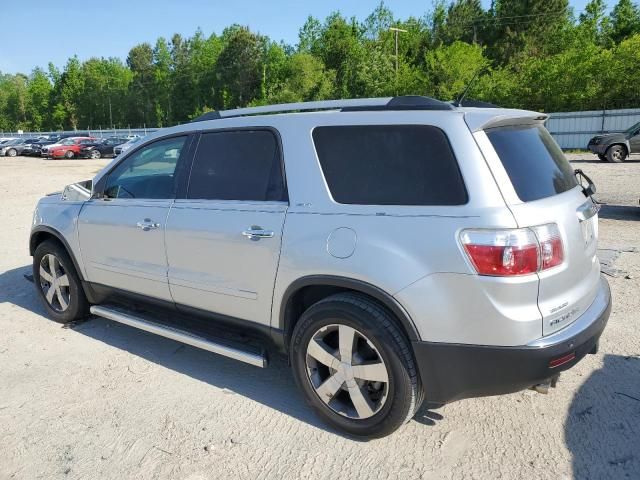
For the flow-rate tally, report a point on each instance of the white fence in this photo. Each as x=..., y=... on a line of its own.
x=572, y=130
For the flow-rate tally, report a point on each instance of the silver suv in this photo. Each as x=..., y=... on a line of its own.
x=398, y=250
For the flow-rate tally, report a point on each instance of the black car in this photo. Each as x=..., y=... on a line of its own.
x=15, y=147
x=34, y=149
x=615, y=147
x=101, y=148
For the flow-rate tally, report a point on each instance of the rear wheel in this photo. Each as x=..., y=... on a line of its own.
x=58, y=284
x=95, y=153
x=355, y=366
x=68, y=154
x=12, y=152
x=616, y=154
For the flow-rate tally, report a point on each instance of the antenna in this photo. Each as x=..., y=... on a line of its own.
x=458, y=102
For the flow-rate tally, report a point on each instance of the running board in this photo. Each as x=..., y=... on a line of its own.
x=117, y=315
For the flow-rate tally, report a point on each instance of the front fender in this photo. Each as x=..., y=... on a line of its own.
x=54, y=217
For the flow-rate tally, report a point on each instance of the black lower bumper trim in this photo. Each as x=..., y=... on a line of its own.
x=452, y=372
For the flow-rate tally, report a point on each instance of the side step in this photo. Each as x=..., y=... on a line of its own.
x=120, y=316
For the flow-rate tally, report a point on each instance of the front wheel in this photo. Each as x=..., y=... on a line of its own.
x=58, y=284
x=616, y=154
x=355, y=366
x=12, y=152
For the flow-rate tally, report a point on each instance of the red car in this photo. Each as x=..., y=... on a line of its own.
x=69, y=147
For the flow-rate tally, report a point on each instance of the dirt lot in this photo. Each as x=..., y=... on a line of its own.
x=102, y=400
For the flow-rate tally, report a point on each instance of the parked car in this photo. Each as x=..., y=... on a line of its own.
x=14, y=147
x=616, y=147
x=413, y=251
x=125, y=146
x=67, y=148
x=101, y=148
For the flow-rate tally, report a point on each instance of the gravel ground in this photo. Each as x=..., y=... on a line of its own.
x=102, y=400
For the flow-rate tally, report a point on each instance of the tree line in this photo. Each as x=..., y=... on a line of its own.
x=534, y=54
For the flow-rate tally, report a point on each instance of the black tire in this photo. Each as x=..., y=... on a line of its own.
x=616, y=154
x=603, y=158
x=95, y=154
x=68, y=154
x=378, y=327
x=77, y=305
x=12, y=152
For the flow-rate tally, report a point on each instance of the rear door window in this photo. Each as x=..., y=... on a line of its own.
x=389, y=165
x=237, y=165
x=533, y=160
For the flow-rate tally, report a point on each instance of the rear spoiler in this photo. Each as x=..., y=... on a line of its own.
x=482, y=119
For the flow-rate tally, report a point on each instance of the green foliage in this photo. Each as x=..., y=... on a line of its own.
x=531, y=54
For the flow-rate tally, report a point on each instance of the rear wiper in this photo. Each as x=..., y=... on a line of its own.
x=590, y=189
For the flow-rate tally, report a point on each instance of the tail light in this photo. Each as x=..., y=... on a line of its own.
x=512, y=252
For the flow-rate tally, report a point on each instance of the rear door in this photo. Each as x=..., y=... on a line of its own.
x=223, y=240
x=540, y=188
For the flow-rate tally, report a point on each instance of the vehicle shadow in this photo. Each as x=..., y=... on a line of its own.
x=619, y=212
x=602, y=429
x=273, y=387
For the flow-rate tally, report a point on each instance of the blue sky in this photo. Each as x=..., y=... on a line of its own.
x=35, y=32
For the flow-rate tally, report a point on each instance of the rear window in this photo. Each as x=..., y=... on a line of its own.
x=534, y=162
x=389, y=165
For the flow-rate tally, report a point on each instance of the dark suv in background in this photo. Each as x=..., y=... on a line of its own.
x=616, y=147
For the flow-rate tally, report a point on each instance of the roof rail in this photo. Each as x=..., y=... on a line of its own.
x=408, y=102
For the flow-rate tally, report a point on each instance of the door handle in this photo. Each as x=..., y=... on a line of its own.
x=256, y=233
x=147, y=225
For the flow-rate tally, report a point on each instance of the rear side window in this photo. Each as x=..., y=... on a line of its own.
x=389, y=165
x=535, y=164
x=237, y=165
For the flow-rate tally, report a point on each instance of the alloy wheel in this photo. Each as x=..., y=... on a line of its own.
x=347, y=371
x=54, y=283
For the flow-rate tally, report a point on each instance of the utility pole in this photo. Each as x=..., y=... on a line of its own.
x=397, y=31
x=109, y=98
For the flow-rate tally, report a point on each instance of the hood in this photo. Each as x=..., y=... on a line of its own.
x=608, y=138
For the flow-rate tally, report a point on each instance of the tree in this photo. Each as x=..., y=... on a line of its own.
x=527, y=28
x=449, y=69
x=239, y=68
x=309, y=35
x=140, y=62
x=465, y=21
x=38, y=95
x=593, y=24
x=305, y=79
x=625, y=20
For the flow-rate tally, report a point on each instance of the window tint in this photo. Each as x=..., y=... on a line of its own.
x=389, y=165
x=534, y=162
x=147, y=173
x=237, y=165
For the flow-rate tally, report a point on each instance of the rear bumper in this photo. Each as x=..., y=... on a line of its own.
x=452, y=372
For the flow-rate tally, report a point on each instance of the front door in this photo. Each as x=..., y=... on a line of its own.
x=223, y=240
x=122, y=234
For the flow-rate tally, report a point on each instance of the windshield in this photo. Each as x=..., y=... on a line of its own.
x=632, y=129
x=534, y=162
